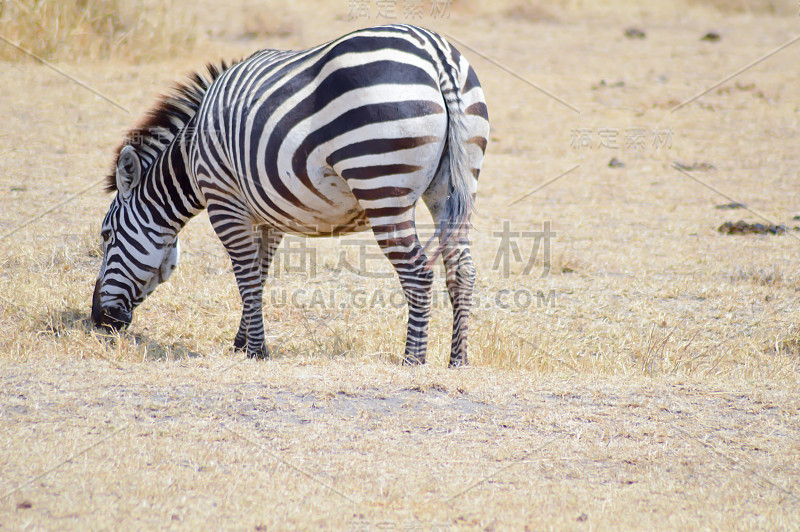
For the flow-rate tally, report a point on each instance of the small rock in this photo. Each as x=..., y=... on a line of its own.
x=635, y=33
x=702, y=167
x=743, y=228
x=711, y=36
x=24, y=505
x=615, y=163
x=615, y=85
x=581, y=518
x=731, y=206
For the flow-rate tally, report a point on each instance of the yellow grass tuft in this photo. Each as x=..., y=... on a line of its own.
x=69, y=29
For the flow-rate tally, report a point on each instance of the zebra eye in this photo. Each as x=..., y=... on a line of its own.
x=105, y=234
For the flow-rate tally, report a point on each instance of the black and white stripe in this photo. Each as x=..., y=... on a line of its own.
x=332, y=140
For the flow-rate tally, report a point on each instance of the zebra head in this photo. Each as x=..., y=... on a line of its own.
x=138, y=253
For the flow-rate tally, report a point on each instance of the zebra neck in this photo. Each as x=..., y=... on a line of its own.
x=171, y=190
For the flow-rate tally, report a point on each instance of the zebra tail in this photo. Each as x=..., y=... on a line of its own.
x=460, y=203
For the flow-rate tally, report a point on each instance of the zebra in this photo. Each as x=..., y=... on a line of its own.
x=332, y=140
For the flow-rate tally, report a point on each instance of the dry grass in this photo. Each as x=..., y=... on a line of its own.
x=554, y=10
x=647, y=379
x=141, y=30
x=771, y=7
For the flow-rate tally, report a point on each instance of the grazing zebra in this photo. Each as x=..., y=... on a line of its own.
x=332, y=140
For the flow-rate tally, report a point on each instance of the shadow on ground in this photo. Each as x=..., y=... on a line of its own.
x=67, y=322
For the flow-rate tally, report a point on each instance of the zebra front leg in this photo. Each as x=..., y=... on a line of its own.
x=247, y=269
x=269, y=241
x=242, y=241
x=400, y=244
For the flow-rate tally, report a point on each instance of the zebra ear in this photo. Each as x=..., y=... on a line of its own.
x=129, y=170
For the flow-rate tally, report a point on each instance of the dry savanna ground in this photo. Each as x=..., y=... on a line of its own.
x=643, y=374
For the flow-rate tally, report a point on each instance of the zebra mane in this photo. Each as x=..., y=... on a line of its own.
x=166, y=119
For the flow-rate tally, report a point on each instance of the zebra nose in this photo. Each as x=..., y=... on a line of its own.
x=97, y=306
x=113, y=318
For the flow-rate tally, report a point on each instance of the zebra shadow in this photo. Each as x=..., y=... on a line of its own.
x=66, y=322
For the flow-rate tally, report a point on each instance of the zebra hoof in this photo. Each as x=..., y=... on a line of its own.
x=457, y=364
x=239, y=344
x=261, y=353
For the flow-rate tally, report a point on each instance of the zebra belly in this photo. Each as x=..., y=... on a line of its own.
x=341, y=214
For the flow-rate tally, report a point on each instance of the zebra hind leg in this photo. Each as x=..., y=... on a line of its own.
x=400, y=244
x=270, y=239
x=460, y=281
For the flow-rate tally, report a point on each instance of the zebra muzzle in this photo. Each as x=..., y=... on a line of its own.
x=113, y=318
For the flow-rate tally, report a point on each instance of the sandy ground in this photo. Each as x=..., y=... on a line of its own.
x=201, y=443
x=648, y=379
